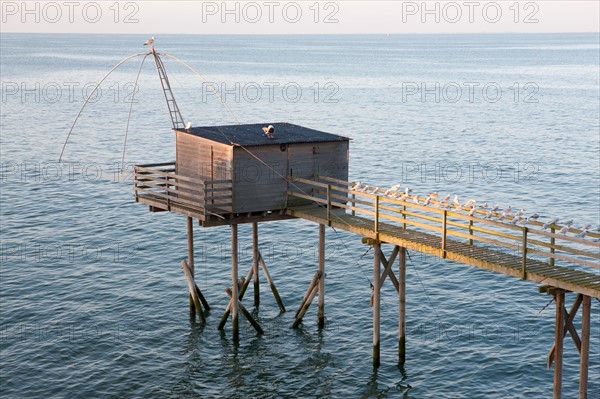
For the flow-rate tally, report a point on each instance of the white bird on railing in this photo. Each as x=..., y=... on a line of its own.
x=502, y=216
x=495, y=207
x=569, y=222
x=149, y=41
x=456, y=201
x=374, y=190
x=514, y=220
x=552, y=221
x=489, y=215
x=470, y=202
x=524, y=221
x=407, y=191
x=586, y=226
x=356, y=186
x=535, y=216
x=484, y=205
x=416, y=199
x=433, y=194
x=508, y=209
x=582, y=234
x=472, y=211
x=521, y=212
x=427, y=200
x=395, y=187
x=446, y=198
x=564, y=230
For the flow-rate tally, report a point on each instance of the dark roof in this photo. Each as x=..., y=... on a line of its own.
x=252, y=134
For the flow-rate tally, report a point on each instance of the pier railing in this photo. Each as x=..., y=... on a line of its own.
x=159, y=186
x=527, y=241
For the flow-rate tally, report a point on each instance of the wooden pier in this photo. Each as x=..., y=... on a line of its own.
x=560, y=263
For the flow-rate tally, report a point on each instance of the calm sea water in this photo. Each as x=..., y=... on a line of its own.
x=93, y=298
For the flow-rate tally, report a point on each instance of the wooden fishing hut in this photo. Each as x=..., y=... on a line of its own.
x=227, y=175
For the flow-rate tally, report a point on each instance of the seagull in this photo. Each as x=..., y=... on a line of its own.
x=582, y=234
x=149, y=41
x=514, y=220
x=188, y=126
x=446, y=198
x=489, y=215
x=407, y=191
x=550, y=222
x=395, y=188
x=564, y=230
x=427, y=200
x=456, y=201
x=484, y=205
x=521, y=212
x=433, y=194
x=495, y=207
x=524, y=221
x=416, y=199
x=472, y=211
x=586, y=226
x=269, y=130
x=508, y=209
x=503, y=216
x=357, y=186
x=569, y=222
x=535, y=216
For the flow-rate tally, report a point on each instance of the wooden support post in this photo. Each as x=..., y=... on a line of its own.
x=376, y=304
x=559, y=298
x=568, y=326
x=314, y=281
x=271, y=283
x=192, y=290
x=246, y=313
x=402, y=307
x=444, y=217
x=321, y=313
x=387, y=269
x=255, y=264
x=190, y=261
x=240, y=296
x=353, y=204
x=585, y=346
x=524, y=254
x=312, y=291
x=234, y=283
x=552, y=242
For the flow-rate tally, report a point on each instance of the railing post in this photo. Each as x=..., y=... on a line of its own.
x=353, y=204
x=524, y=257
x=444, y=217
x=470, y=231
x=377, y=216
x=552, y=242
x=329, y=204
x=404, y=216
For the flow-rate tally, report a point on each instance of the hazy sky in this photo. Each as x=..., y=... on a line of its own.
x=292, y=17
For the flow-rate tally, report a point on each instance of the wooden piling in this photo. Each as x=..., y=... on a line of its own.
x=245, y=312
x=304, y=307
x=271, y=283
x=227, y=311
x=376, y=304
x=585, y=346
x=559, y=298
x=190, y=261
x=192, y=290
x=402, y=306
x=255, y=264
x=321, y=313
x=314, y=281
x=234, y=283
